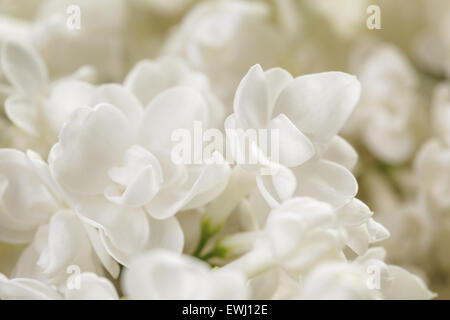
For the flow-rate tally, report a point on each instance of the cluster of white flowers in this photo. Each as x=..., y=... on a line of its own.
x=93, y=205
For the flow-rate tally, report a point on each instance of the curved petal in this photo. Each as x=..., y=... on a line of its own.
x=277, y=80
x=23, y=114
x=389, y=142
x=325, y=181
x=24, y=68
x=277, y=187
x=67, y=244
x=161, y=274
x=166, y=234
x=251, y=102
x=126, y=229
x=25, y=200
x=108, y=262
x=172, y=109
x=358, y=239
x=91, y=142
x=141, y=176
x=121, y=98
x=204, y=183
x=319, y=104
x=354, y=213
x=26, y=289
x=294, y=148
x=64, y=98
x=342, y=152
x=92, y=287
x=405, y=285
x=146, y=80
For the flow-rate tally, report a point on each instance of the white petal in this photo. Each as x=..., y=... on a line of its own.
x=354, y=213
x=108, y=262
x=65, y=242
x=251, y=102
x=277, y=187
x=342, y=152
x=204, y=183
x=65, y=97
x=24, y=68
x=26, y=289
x=23, y=114
x=405, y=286
x=25, y=200
x=166, y=234
x=126, y=228
x=390, y=143
x=326, y=181
x=92, y=287
x=277, y=80
x=294, y=147
x=121, y=98
x=175, y=108
x=91, y=142
x=146, y=80
x=161, y=274
x=319, y=104
x=141, y=176
x=377, y=231
x=358, y=239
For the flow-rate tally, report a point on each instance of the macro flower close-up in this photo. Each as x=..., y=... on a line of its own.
x=224, y=150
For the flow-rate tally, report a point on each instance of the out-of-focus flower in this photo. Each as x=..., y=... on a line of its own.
x=433, y=170
x=161, y=274
x=440, y=112
x=35, y=105
x=214, y=34
x=389, y=117
x=149, y=78
x=432, y=44
x=28, y=197
x=367, y=277
x=90, y=287
x=98, y=40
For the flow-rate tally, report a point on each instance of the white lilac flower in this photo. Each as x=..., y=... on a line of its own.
x=150, y=77
x=389, y=117
x=93, y=95
x=307, y=112
x=113, y=161
x=88, y=286
x=62, y=243
x=214, y=34
x=433, y=169
x=98, y=40
x=36, y=105
x=302, y=232
x=432, y=45
x=402, y=212
x=34, y=212
x=161, y=274
x=367, y=277
x=28, y=196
